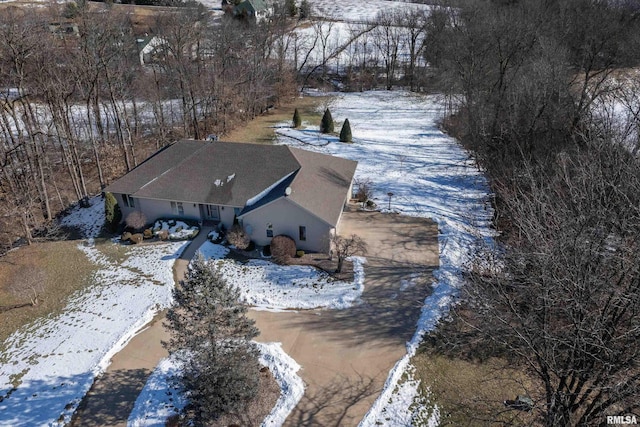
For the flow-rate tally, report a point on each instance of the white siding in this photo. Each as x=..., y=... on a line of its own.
x=155, y=209
x=226, y=216
x=286, y=218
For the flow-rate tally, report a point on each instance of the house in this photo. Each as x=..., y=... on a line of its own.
x=256, y=10
x=268, y=189
x=149, y=48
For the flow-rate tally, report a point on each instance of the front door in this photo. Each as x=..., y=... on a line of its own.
x=211, y=213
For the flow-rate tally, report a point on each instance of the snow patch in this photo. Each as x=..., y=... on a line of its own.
x=54, y=360
x=273, y=287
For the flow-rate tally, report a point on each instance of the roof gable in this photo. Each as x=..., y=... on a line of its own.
x=322, y=184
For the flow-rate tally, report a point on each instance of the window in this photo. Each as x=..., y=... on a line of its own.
x=128, y=201
x=177, y=208
x=269, y=230
x=303, y=233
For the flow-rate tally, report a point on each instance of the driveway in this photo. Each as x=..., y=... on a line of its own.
x=346, y=355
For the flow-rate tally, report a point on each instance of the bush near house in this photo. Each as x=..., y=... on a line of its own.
x=282, y=248
x=136, y=220
x=238, y=237
x=112, y=213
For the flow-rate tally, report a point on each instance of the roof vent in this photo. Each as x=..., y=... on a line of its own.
x=287, y=191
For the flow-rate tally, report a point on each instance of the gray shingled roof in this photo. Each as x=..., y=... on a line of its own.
x=230, y=174
x=322, y=184
x=219, y=173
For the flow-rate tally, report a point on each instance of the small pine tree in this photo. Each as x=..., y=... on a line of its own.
x=305, y=9
x=297, y=121
x=112, y=213
x=326, y=125
x=345, y=132
x=211, y=336
x=290, y=7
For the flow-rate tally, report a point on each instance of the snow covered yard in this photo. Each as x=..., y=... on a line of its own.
x=400, y=149
x=268, y=286
x=47, y=366
x=365, y=11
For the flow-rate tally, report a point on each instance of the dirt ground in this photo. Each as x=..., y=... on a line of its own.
x=346, y=354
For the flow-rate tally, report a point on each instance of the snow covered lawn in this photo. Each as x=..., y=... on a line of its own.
x=400, y=149
x=269, y=286
x=358, y=11
x=47, y=366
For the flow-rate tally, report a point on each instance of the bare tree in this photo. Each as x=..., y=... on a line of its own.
x=563, y=297
x=387, y=37
x=344, y=247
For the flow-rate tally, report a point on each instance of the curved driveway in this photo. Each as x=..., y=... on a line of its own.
x=345, y=355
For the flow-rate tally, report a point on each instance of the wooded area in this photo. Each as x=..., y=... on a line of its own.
x=542, y=93
x=84, y=102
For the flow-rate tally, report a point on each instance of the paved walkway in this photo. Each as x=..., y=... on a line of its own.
x=113, y=394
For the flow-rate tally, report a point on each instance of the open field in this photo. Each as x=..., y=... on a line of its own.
x=53, y=270
x=471, y=394
x=261, y=129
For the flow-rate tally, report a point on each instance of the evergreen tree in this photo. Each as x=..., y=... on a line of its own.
x=305, y=9
x=296, y=119
x=345, y=132
x=211, y=337
x=326, y=125
x=290, y=7
x=112, y=213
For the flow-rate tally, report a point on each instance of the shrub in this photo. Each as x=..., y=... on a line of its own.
x=305, y=9
x=291, y=8
x=364, y=191
x=148, y=233
x=345, y=132
x=238, y=237
x=136, y=238
x=163, y=234
x=112, y=212
x=297, y=121
x=299, y=254
x=136, y=220
x=126, y=236
x=282, y=248
x=326, y=125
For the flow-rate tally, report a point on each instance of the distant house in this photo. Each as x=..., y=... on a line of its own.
x=149, y=48
x=257, y=10
x=268, y=189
